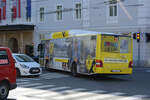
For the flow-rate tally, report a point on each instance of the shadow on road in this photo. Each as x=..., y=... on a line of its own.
x=11, y=99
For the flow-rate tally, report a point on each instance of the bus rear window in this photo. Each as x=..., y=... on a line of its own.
x=115, y=44
x=3, y=57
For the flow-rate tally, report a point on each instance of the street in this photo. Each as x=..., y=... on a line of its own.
x=57, y=85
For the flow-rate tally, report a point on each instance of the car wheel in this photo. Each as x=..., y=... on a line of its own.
x=18, y=73
x=4, y=91
x=74, y=70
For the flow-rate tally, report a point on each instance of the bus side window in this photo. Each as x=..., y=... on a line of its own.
x=93, y=46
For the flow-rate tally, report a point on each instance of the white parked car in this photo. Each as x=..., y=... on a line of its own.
x=26, y=66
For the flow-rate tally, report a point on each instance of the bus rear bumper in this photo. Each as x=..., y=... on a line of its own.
x=127, y=71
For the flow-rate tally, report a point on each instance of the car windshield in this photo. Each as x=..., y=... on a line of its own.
x=23, y=58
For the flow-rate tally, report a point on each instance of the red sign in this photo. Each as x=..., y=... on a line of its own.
x=3, y=61
x=4, y=9
x=16, y=8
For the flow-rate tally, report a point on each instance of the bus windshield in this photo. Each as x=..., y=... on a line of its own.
x=115, y=44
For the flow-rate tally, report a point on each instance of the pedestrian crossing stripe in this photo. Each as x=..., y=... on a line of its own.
x=134, y=97
x=27, y=98
x=77, y=94
x=22, y=80
x=33, y=88
x=44, y=86
x=43, y=91
x=65, y=92
x=28, y=85
x=46, y=94
x=103, y=96
x=22, y=83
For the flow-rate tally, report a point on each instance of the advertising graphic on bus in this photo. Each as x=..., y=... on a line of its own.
x=87, y=52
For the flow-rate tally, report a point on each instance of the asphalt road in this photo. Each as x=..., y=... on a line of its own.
x=57, y=85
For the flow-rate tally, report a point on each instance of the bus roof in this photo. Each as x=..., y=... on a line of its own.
x=74, y=33
x=85, y=32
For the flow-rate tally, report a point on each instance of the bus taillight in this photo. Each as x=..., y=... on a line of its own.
x=99, y=63
x=130, y=64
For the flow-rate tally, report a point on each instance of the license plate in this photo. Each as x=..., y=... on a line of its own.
x=115, y=71
x=35, y=70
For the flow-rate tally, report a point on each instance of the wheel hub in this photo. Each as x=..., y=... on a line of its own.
x=3, y=91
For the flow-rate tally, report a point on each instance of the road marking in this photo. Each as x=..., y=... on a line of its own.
x=36, y=87
x=22, y=83
x=22, y=80
x=44, y=86
x=58, y=88
x=60, y=92
x=35, y=91
x=78, y=94
x=30, y=79
x=25, y=98
x=103, y=96
x=134, y=97
x=30, y=84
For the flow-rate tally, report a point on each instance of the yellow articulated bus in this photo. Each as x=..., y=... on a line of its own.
x=88, y=52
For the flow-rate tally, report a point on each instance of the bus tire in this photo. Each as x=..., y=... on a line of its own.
x=74, y=70
x=4, y=90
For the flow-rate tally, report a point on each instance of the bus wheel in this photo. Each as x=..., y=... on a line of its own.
x=4, y=91
x=74, y=70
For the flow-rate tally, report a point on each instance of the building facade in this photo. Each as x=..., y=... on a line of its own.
x=47, y=16
x=119, y=16
x=17, y=25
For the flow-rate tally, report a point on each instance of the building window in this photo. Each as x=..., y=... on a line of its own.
x=113, y=8
x=41, y=14
x=0, y=15
x=59, y=12
x=28, y=19
x=13, y=14
x=28, y=11
x=112, y=12
x=78, y=11
x=28, y=15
